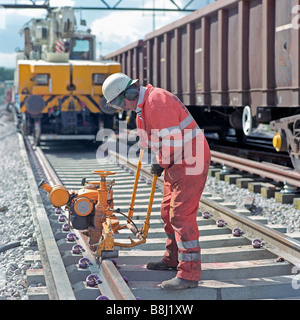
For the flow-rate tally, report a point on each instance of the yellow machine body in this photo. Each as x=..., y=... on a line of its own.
x=56, y=89
x=59, y=196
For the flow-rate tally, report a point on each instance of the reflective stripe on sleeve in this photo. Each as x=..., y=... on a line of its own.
x=189, y=134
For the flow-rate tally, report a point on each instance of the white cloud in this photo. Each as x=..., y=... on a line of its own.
x=163, y=4
x=118, y=27
x=60, y=3
x=8, y=60
x=121, y=28
x=29, y=13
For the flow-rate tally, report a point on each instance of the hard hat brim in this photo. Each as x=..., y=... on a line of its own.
x=133, y=81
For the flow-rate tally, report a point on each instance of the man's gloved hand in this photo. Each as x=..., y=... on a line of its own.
x=156, y=168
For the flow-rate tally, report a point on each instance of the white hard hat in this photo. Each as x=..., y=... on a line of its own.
x=115, y=84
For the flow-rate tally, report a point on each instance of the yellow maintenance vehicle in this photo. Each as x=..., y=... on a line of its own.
x=58, y=81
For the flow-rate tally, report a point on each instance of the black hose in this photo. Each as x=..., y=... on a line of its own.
x=8, y=246
x=123, y=214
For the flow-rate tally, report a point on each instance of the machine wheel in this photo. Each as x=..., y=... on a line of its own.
x=37, y=132
x=247, y=120
x=295, y=162
x=16, y=118
x=25, y=124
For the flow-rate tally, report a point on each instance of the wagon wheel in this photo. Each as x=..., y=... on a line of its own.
x=37, y=133
x=295, y=162
x=25, y=124
x=247, y=121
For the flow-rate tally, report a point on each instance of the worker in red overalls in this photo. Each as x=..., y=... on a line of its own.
x=182, y=153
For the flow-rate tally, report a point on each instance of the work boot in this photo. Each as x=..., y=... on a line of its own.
x=160, y=266
x=179, y=284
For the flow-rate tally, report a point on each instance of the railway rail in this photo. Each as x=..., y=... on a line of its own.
x=264, y=169
x=242, y=257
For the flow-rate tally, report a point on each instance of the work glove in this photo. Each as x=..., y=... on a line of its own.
x=156, y=168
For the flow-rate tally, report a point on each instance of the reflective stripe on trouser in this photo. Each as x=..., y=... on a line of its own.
x=179, y=208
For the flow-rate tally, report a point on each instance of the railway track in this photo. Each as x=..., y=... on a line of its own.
x=233, y=267
x=263, y=169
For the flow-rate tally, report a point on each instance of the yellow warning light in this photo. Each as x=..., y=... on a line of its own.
x=277, y=141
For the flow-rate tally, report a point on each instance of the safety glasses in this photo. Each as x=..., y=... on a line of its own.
x=118, y=102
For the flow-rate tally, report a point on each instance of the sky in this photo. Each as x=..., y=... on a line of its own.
x=113, y=29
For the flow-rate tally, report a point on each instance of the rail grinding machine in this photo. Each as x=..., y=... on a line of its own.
x=92, y=209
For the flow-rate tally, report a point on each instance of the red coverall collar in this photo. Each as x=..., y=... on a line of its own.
x=144, y=92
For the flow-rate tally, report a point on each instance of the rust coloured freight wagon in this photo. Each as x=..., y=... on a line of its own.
x=234, y=64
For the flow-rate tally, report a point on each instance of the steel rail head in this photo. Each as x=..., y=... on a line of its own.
x=263, y=169
x=274, y=241
x=58, y=284
x=115, y=286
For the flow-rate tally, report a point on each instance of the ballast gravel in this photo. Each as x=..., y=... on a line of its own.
x=277, y=213
x=16, y=224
